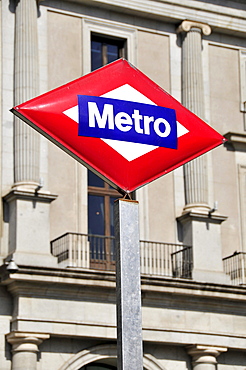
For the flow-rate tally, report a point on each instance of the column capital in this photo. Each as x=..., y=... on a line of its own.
x=26, y=342
x=205, y=354
x=187, y=25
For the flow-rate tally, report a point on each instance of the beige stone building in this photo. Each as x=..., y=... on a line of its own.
x=57, y=310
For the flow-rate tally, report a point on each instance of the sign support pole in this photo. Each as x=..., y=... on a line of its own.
x=128, y=286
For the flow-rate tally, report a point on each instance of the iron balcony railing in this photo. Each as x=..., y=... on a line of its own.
x=182, y=263
x=235, y=267
x=98, y=252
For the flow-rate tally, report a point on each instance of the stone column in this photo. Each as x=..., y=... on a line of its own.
x=204, y=357
x=25, y=349
x=195, y=172
x=26, y=86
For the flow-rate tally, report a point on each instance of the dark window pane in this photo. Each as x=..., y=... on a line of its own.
x=96, y=215
x=94, y=180
x=112, y=199
x=112, y=241
x=112, y=52
x=96, y=55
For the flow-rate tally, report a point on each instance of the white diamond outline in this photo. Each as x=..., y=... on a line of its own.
x=130, y=151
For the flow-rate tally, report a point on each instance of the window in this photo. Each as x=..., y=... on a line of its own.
x=101, y=196
x=107, y=42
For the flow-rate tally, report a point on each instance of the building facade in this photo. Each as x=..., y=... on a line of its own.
x=57, y=302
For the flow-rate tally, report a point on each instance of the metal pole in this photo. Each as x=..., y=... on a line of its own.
x=128, y=286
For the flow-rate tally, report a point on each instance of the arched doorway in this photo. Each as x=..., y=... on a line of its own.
x=104, y=357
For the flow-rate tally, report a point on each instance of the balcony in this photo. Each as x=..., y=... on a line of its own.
x=98, y=252
x=235, y=267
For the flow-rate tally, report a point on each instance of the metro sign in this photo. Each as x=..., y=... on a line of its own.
x=121, y=125
x=121, y=120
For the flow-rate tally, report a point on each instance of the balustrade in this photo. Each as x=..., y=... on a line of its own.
x=98, y=251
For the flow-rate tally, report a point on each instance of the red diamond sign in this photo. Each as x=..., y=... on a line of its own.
x=120, y=124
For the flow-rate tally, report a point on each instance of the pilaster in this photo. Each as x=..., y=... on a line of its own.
x=26, y=86
x=195, y=172
x=200, y=225
x=25, y=349
x=27, y=205
x=204, y=357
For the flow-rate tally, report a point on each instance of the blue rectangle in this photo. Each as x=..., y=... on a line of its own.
x=127, y=121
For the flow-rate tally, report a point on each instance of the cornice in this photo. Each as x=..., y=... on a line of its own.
x=225, y=19
x=27, y=278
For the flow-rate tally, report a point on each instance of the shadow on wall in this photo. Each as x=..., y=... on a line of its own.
x=231, y=357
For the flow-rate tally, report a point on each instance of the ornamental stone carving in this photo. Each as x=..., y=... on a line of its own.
x=186, y=26
x=25, y=349
x=204, y=357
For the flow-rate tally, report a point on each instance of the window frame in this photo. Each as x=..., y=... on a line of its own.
x=107, y=193
x=107, y=30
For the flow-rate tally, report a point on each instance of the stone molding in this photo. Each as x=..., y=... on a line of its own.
x=36, y=196
x=68, y=281
x=26, y=342
x=202, y=208
x=202, y=216
x=186, y=26
x=204, y=354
